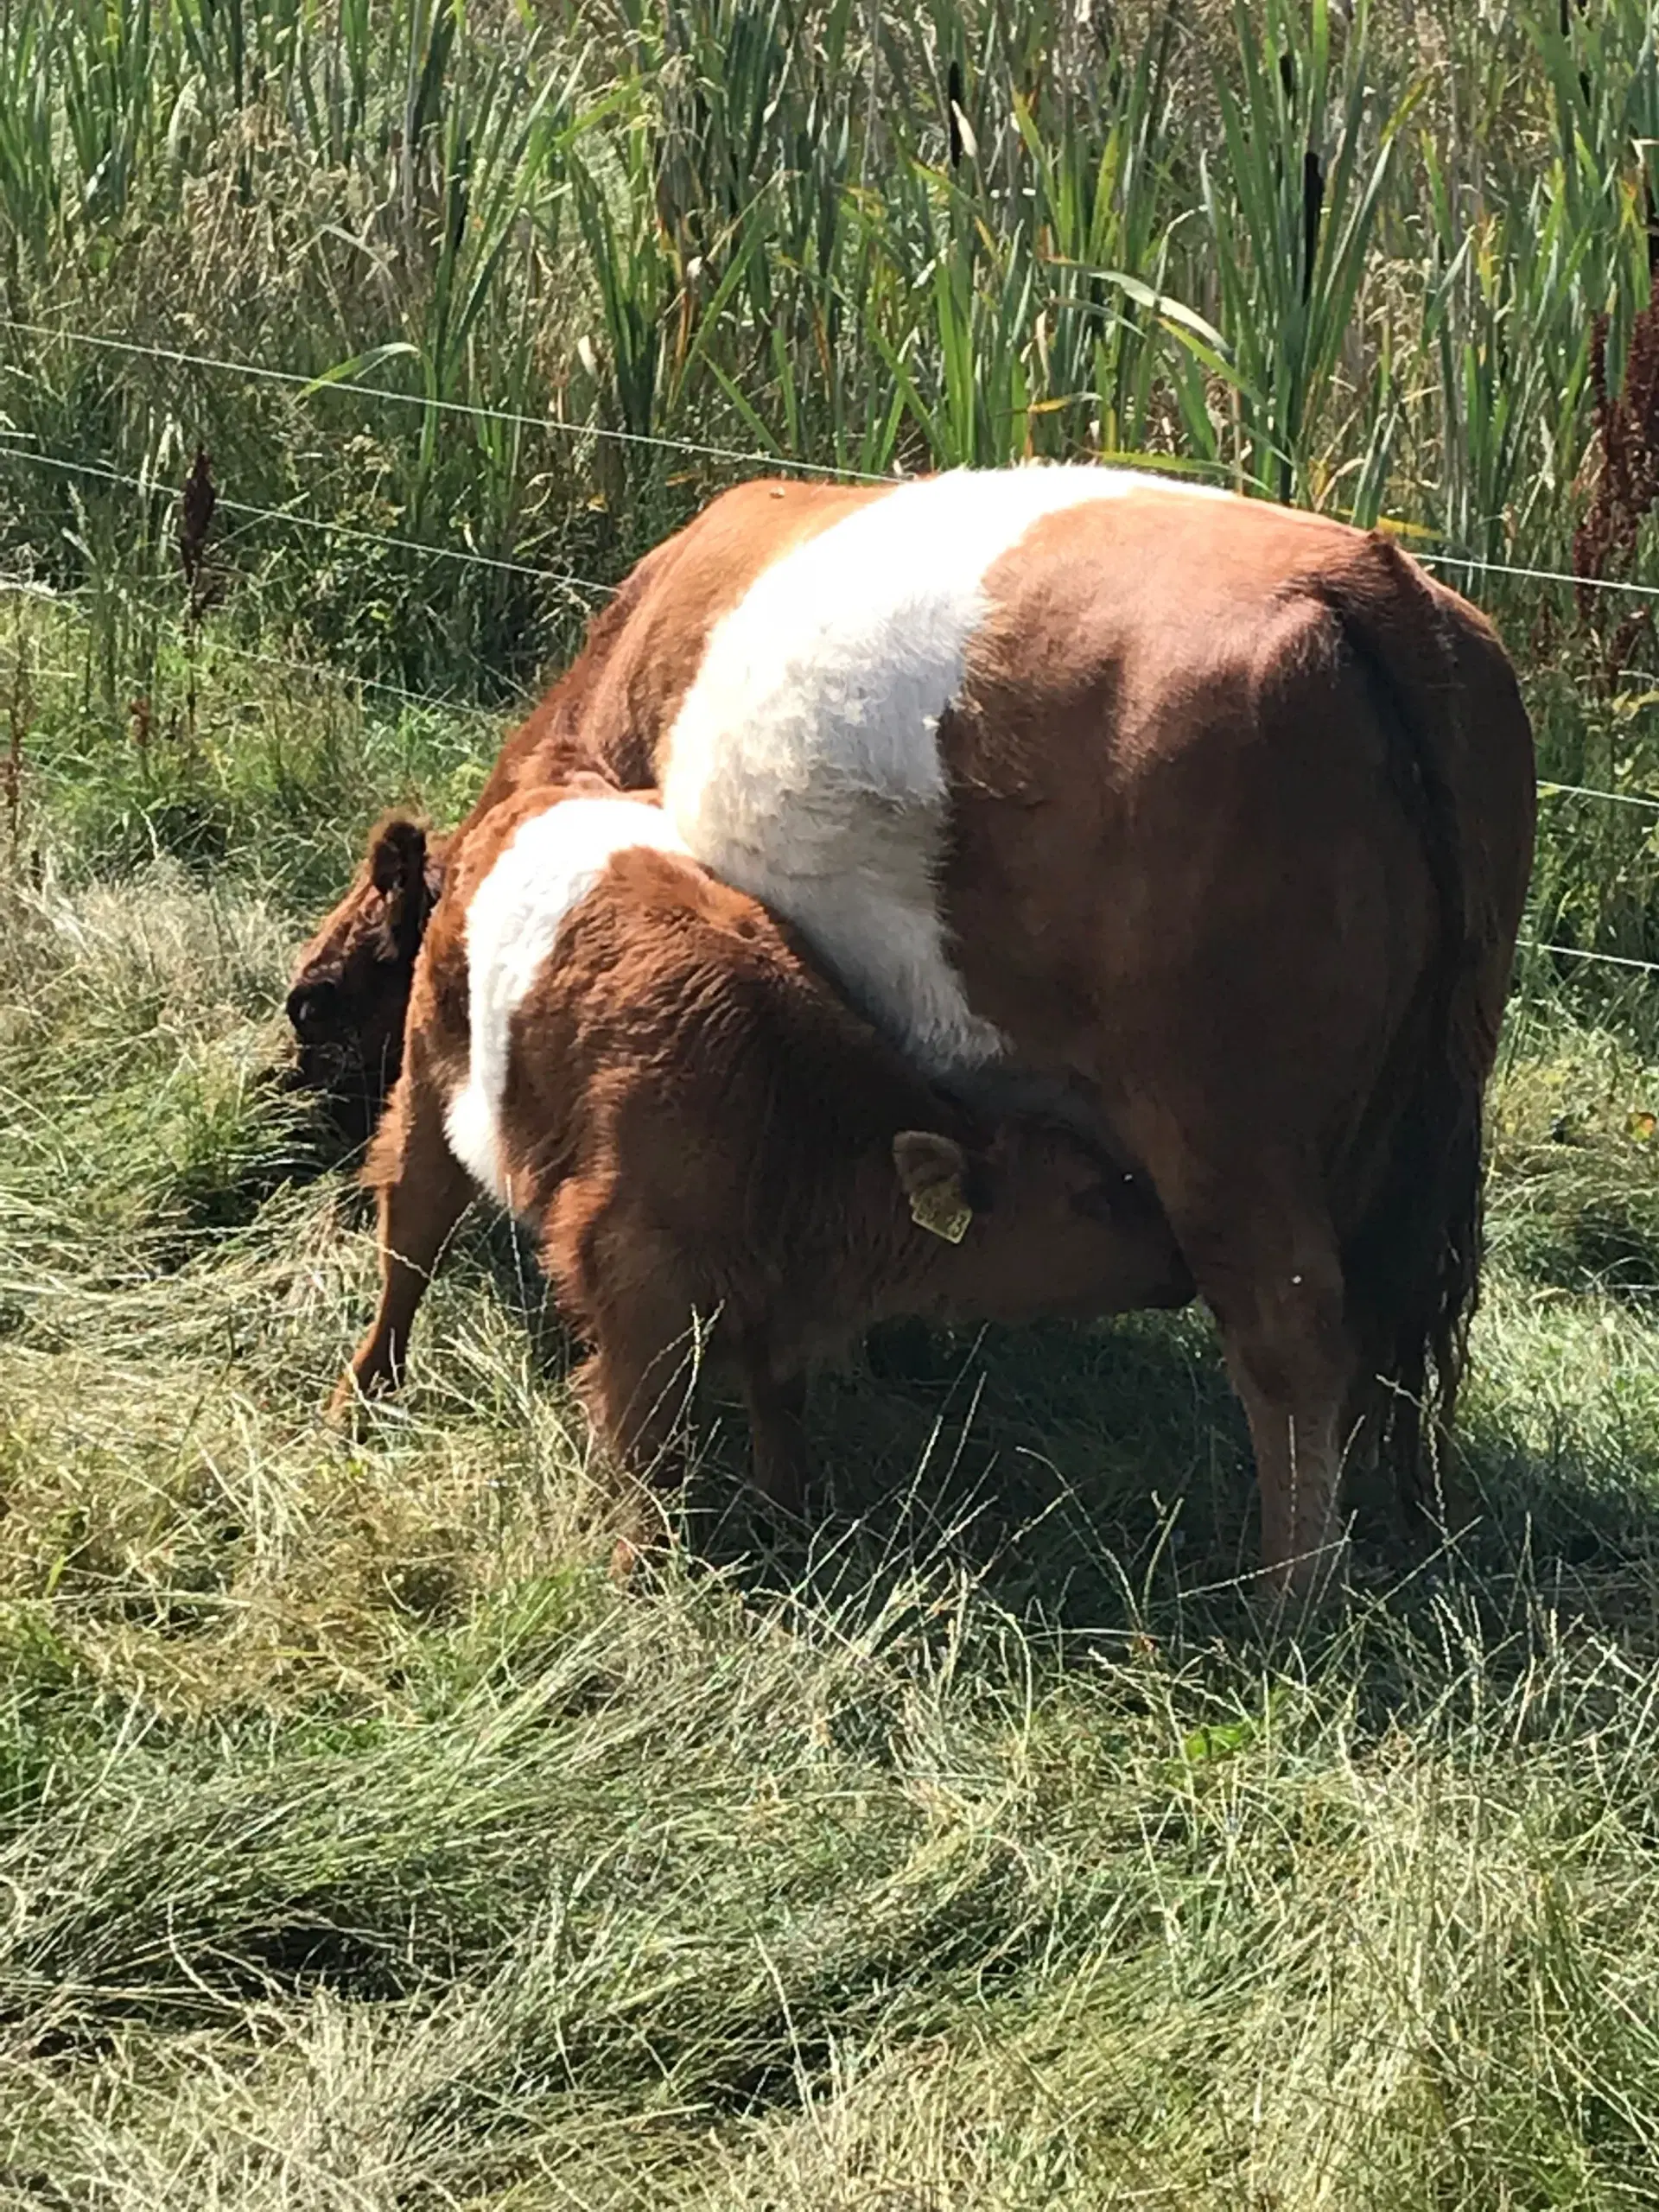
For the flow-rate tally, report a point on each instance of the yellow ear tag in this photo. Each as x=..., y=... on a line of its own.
x=942, y=1210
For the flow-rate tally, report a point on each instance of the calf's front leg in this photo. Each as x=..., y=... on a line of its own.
x=423, y=1190
x=620, y=1288
x=635, y=1388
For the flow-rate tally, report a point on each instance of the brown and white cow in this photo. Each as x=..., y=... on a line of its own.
x=1212, y=817
x=639, y=1062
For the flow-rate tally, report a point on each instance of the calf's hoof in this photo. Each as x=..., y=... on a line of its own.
x=627, y=1558
x=643, y=1536
x=348, y=1405
x=636, y=1559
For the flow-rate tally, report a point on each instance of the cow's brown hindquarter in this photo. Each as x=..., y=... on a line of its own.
x=1256, y=1019
x=1250, y=864
x=1460, y=771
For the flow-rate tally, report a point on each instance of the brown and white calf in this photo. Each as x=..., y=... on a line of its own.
x=641, y=1062
x=1212, y=818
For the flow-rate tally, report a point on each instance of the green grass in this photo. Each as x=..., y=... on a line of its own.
x=361, y=1847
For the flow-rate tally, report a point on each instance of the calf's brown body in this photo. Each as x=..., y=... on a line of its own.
x=703, y=1135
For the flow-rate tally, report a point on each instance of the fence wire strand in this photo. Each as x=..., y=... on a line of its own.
x=745, y=458
x=1536, y=576
x=311, y=387
x=1582, y=952
x=322, y=671
x=1548, y=789
x=325, y=671
x=152, y=485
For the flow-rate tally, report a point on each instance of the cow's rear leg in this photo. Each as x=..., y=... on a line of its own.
x=1267, y=1263
x=424, y=1192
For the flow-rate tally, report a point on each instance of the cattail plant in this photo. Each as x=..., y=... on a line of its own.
x=196, y=518
x=1310, y=150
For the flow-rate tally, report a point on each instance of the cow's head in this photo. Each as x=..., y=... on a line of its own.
x=351, y=984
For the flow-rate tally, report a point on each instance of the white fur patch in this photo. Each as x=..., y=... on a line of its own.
x=549, y=863
x=803, y=765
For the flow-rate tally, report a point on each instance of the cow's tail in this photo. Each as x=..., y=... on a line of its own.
x=1412, y=1259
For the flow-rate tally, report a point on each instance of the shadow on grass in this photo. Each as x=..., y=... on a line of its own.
x=1576, y=1530
x=1097, y=1481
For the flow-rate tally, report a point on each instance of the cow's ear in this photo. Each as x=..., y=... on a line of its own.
x=932, y=1173
x=396, y=855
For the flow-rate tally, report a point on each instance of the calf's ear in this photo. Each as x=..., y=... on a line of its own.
x=587, y=783
x=396, y=856
x=931, y=1170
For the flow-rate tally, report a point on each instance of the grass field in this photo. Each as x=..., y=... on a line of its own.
x=362, y=1848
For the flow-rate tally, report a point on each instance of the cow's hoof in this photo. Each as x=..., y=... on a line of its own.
x=1311, y=1585
x=636, y=1561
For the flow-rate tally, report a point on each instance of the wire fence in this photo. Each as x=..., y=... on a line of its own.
x=1547, y=789
x=310, y=387
x=453, y=703
x=343, y=384
x=321, y=671
x=1582, y=952
x=743, y=457
x=151, y=488
x=1484, y=568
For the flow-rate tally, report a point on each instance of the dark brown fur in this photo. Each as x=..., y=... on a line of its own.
x=350, y=991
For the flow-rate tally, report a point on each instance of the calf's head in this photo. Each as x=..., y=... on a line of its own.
x=1040, y=1224
x=350, y=989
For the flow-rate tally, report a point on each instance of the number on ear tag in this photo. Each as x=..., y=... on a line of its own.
x=942, y=1210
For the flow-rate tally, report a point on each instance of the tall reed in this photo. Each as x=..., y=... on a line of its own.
x=1293, y=247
